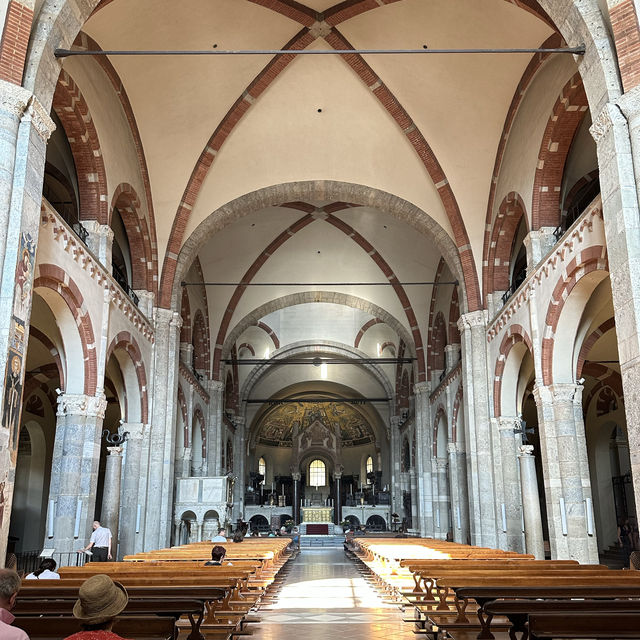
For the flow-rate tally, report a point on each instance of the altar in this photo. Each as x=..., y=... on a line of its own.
x=317, y=514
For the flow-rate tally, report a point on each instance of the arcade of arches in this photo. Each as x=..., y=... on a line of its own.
x=400, y=291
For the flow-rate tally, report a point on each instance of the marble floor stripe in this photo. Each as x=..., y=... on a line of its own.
x=323, y=588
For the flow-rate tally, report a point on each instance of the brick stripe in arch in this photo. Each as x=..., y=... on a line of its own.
x=126, y=200
x=73, y=112
x=553, y=41
x=270, y=332
x=52, y=277
x=440, y=413
x=563, y=123
x=290, y=9
x=425, y=153
x=590, y=259
x=201, y=342
x=515, y=333
x=199, y=417
x=505, y=227
x=15, y=40
x=186, y=439
x=203, y=292
x=260, y=83
x=395, y=284
x=83, y=41
x=365, y=327
x=248, y=277
x=457, y=403
x=125, y=341
x=386, y=345
x=35, y=333
x=248, y=347
x=626, y=33
x=593, y=337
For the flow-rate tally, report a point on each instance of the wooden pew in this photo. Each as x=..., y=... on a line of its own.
x=584, y=625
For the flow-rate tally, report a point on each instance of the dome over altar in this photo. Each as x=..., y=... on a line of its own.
x=276, y=427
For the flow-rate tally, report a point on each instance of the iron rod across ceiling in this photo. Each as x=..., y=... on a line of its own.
x=387, y=283
x=316, y=362
x=65, y=53
x=275, y=401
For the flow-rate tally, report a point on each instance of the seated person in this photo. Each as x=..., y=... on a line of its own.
x=9, y=587
x=100, y=600
x=217, y=556
x=46, y=571
x=238, y=536
x=221, y=537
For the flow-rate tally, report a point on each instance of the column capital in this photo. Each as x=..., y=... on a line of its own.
x=176, y=320
x=137, y=430
x=215, y=386
x=82, y=404
x=13, y=99
x=508, y=423
x=558, y=392
x=40, y=119
x=441, y=463
x=629, y=103
x=422, y=388
x=525, y=450
x=453, y=448
x=609, y=116
x=115, y=451
x=296, y=475
x=162, y=316
x=472, y=320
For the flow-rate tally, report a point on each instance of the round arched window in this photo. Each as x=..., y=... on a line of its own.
x=317, y=474
x=262, y=469
x=369, y=464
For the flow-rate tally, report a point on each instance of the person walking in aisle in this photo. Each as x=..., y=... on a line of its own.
x=99, y=543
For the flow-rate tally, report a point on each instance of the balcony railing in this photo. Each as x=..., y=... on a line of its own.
x=121, y=279
x=517, y=280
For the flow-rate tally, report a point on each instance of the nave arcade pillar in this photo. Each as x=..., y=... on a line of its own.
x=337, y=503
x=239, y=458
x=482, y=508
x=423, y=497
x=532, y=516
x=566, y=472
x=458, y=490
x=395, y=464
x=511, y=493
x=214, y=430
x=296, y=496
x=443, y=503
x=74, y=471
x=133, y=488
x=110, y=512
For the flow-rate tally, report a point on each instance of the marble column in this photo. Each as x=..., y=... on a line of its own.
x=337, y=501
x=512, y=494
x=458, y=491
x=533, y=535
x=395, y=490
x=616, y=131
x=159, y=513
x=110, y=513
x=451, y=355
x=415, y=524
x=131, y=501
x=25, y=127
x=100, y=241
x=566, y=471
x=215, y=424
x=423, y=497
x=482, y=499
x=177, y=531
x=296, y=497
x=443, y=496
x=239, y=458
x=200, y=526
x=538, y=243
x=74, y=471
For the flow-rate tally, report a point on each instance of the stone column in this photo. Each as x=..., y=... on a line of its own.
x=512, y=494
x=617, y=132
x=538, y=244
x=415, y=524
x=296, y=497
x=533, y=536
x=74, y=471
x=239, y=458
x=395, y=463
x=567, y=482
x=214, y=431
x=159, y=514
x=477, y=430
x=25, y=127
x=424, y=494
x=443, y=496
x=110, y=514
x=177, y=530
x=451, y=355
x=131, y=516
x=337, y=503
x=186, y=354
x=100, y=241
x=457, y=489
x=200, y=526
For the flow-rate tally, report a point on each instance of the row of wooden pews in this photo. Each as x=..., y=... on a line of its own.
x=171, y=593
x=480, y=593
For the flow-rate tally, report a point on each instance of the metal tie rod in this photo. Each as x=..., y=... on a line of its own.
x=316, y=362
x=389, y=283
x=277, y=401
x=65, y=53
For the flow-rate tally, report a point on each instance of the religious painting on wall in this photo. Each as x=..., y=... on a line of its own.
x=13, y=385
x=24, y=275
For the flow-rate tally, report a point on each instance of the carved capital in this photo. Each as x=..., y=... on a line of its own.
x=422, y=388
x=472, y=320
x=70, y=404
x=137, y=430
x=441, y=464
x=115, y=451
x=566, y=392
x=525, y=450
x=609, y=117
x=13, y=99
x=215, y=386
x=629, y=103
x=176, y=321
x=452, y=448
x=39, y=118
x=508, y=424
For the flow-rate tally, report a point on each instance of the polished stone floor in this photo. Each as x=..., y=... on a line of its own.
x=323, y=597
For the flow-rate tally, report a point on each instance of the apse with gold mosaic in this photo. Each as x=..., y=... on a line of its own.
x=277, y=426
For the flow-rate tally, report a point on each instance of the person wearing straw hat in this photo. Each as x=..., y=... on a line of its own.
x=100, y=600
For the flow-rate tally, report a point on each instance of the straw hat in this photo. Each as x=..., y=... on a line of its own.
x=99, y=600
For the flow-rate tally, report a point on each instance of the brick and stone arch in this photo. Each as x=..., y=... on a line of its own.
x=133, y=365
x=626, y=35
x=439, y=433
x=511, y=213
x=229, y=456
x=185, y=314
x=230, y=395
x=506, y=380
x=580, y=277
x=437, y=343
x=246, y=346
x=74, y=323
x=42, y=337
x=565, y=118
x=457, y=403
x=15, y=40
x=126, y=200
x=73, y=112
x=182, y=404
x=590, y=341
x=270, y=332
x=388, y=345
x=304, y=297
x=586, y=183
x=365, y=327
x=606, y=378
x=200, y=341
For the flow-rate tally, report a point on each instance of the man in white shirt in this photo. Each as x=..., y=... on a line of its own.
x=220, y=537
x=99, y=543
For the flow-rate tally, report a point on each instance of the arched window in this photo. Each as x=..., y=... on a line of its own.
x=262, y=469
x=317, y=474
x=369, y=465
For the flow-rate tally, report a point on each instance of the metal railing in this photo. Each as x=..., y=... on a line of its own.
x=518, y=279
x=28, y=561
x=121, y=279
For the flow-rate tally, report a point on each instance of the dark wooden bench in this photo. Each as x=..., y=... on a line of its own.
x=584, y=625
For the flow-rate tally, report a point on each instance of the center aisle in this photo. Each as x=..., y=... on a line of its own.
x=322, y=588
